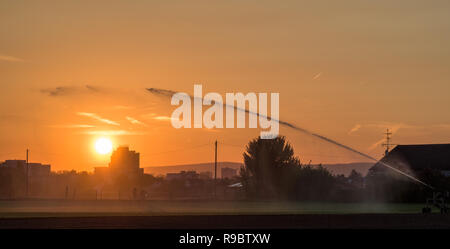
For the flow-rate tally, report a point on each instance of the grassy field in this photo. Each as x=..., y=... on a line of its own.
x=78, y=208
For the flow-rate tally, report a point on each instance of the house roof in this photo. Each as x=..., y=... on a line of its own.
x=417, y=157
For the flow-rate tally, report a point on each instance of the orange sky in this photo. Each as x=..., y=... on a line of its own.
x=345, y=69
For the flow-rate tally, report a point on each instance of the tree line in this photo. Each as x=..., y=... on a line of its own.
x=272, y=172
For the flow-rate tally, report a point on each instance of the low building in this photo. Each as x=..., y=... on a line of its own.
x=413, y=159
x=18, y=180
x=16, y=164
x=35, y=170
x=38, y=170
x=402, y=174
x=183, y=175
x=206, y=175
x=228, y=173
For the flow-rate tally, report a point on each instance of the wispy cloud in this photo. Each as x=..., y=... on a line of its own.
x=74, y=126
x=354, y=129
x=123, y=107
x=10, y=58
x=114, y=133
x=134, y=121
x=442, y=126
x=97, y=117
x=68, y=90
x=148, y=115
x=376, y=144
x=393, y=128
x=317, y=76
x=162, y=118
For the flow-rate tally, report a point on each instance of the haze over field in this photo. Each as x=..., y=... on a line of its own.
x=74, y=72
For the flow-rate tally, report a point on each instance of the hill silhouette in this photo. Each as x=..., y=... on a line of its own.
x=335, y=169
x=199, y=167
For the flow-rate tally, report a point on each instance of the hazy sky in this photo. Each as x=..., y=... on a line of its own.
x=71, y=72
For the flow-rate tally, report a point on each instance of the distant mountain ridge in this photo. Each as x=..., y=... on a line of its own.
x=335, y=169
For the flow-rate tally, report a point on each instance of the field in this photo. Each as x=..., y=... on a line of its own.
x=65, y=208
x=210, y=214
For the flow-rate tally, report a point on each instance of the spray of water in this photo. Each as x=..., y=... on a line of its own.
x=170, y=93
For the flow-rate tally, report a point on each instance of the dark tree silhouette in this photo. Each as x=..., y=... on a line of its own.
x=267, y=163
x=271, y=171
x=356, y=179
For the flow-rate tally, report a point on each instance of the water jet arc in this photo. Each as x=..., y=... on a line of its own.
x=170, y=93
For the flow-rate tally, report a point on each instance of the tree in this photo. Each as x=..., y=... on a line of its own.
x=267, y=167
x=272, y=171
x=356, y=179
x=311, y=183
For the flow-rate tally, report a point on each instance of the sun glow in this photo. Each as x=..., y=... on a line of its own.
x=103, y=146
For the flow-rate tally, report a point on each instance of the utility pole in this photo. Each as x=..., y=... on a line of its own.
x=388, y=140
x=27, y=176
x=215, y=168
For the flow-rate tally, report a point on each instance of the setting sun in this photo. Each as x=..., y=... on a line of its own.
x=103, y=146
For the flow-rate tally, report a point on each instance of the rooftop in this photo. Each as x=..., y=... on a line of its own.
x=418, y=157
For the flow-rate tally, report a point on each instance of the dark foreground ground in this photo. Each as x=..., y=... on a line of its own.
x=190, y=214
x=297, y=221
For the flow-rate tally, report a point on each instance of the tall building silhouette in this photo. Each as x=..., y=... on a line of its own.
x=125, y=162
